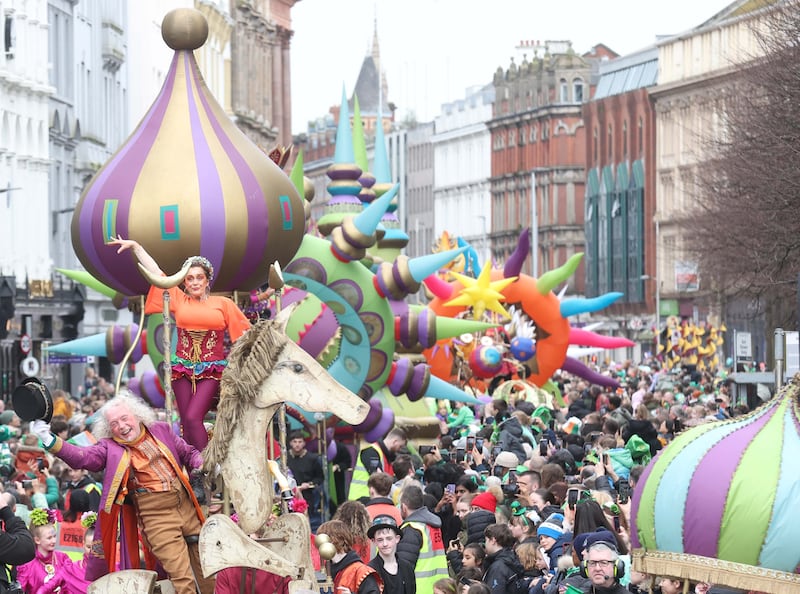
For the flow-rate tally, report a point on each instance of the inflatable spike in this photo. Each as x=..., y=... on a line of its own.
x=359, y=145
x=552, y=278
x=515, y=261
x=573, y=307
x=438, y=388
x=472, y=266
x=87, y=279
x=424, y=266
x=380, y=166
x=584, y=338
x=452, y=327
x=575, y=367
x=344, y=136
x=439, y=287
x=88, y=345
x=368, y=219
x=297, y=173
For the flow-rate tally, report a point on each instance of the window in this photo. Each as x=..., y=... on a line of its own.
x=10, y=37
x=625, y=139
x=564, y=91
x=610, y=144
x=512, y=137
x=641, y=137
x=577, y=90
x=594, y=146
x=533, y=133
x=499, y=141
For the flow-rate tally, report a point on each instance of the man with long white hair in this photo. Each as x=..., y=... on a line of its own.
x=146, y=466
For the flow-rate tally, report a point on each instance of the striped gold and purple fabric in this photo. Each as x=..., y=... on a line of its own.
x=188, y=182
x=727, y=490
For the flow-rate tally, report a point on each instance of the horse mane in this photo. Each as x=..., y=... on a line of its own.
x=250, y=363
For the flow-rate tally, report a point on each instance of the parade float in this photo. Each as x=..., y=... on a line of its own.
x=188, y=182
x=716, y=505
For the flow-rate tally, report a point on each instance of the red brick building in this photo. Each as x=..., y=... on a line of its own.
x=620, y=186
x=539, y=145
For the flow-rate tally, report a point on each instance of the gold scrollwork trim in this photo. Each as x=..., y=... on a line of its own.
x=715, y=571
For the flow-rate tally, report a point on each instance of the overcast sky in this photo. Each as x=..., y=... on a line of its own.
x=432, y=50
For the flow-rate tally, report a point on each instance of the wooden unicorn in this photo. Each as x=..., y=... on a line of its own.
x=265, y=369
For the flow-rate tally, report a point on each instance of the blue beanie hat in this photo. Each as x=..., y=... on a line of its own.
x=553, y=526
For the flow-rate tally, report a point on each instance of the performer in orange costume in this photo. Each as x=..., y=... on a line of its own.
x=201, y=320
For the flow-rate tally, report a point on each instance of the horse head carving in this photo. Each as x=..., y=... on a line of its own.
x=265, y=369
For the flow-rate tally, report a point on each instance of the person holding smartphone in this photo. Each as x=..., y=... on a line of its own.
x=16, y=542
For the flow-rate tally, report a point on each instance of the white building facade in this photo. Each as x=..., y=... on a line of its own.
x=24, y=154
x=462, y=166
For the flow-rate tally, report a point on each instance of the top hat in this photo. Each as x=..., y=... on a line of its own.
x=383, y=521
x=32, y=400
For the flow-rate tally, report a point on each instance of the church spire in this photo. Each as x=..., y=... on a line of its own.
x=376, y=50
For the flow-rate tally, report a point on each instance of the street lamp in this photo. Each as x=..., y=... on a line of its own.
x=485, y=256
x=658, y=298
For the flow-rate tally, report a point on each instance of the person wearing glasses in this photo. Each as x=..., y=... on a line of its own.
x=604, y=569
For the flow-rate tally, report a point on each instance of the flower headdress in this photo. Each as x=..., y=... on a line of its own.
x=204, y=263
x=88, y=519
x=43, y=517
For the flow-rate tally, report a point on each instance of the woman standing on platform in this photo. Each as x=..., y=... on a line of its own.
x=201, y=320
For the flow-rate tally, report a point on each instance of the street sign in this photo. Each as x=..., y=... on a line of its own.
x=792, y=353
x=25, y=343
x=29, y=366
x=61, y=359
x=744, y=346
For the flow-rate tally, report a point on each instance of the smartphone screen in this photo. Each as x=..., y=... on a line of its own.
x=451, y=488
x=616, y=524
x=572, y=497
x=459, y=456
x=496, y=451
x=479, y=444
x=543, y=447
x=470, y=444
x=624, y=491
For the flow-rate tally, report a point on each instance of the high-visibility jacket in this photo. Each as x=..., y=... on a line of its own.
x=358, y=484
x=432, y=561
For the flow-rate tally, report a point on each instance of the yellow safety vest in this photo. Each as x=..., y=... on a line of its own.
x=432, y=561
x=358, y=484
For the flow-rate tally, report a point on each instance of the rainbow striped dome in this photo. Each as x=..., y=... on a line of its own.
x=188, y=182
x=727, y=491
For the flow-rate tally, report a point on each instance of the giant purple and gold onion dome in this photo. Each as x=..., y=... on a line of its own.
x=188, y=182
x=717, y=504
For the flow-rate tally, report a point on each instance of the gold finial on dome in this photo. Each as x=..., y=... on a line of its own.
x=184, y=29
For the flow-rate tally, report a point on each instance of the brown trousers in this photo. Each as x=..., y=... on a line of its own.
x=167, y=518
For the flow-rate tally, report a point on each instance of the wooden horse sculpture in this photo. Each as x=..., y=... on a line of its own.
x=265, y=369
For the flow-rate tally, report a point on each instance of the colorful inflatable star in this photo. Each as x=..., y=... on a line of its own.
x=482, y=293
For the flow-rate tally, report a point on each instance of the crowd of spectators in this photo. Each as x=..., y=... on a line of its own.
x=534, y=496
x=514, y=495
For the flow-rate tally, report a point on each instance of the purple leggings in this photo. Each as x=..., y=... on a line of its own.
x=193, y=407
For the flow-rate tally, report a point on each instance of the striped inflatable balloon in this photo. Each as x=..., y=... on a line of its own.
x=727, y=490
x=188, y=182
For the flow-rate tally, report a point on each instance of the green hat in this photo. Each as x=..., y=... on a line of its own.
x=543, y=413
